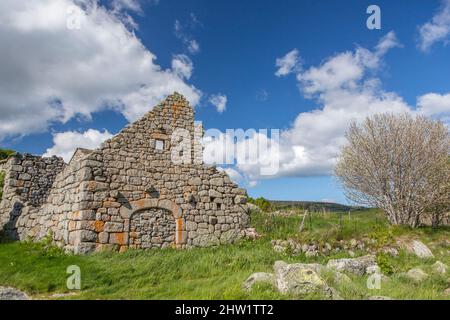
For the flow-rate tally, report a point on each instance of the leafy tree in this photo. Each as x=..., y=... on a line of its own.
x=264, y=204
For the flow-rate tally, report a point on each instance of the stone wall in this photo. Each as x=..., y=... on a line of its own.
x=130, y=178
x=28, y=180
x=130, y=192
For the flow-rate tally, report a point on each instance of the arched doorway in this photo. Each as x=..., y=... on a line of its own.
x=144, y=209
x=152, y=228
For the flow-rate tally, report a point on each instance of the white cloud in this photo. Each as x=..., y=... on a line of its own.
x=345, y=70
x=436, y=30
x=288, y=64
x=345, y=89
x=65, y=143
x=219, y=101
x=192, y=45
x=182, y=66
x=52, y=73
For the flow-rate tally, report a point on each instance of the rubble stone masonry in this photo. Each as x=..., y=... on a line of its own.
x=129, y=193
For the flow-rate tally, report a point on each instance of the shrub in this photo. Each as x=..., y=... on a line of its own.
x=264, y=204
x=4, y=153
x=398, y=163
x=385, y=265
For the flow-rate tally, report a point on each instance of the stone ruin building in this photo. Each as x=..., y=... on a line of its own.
x=129, y=193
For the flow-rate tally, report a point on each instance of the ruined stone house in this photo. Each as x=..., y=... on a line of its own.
x=129, y=193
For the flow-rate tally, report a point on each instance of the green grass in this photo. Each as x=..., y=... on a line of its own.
x=218, y=273
x=5, y=153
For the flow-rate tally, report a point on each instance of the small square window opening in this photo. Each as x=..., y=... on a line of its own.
x=159, y=145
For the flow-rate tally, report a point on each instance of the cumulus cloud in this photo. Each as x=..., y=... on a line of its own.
x=65, y=143
x=219, y=101
x=288, y=64
x=435, y=105
x=60, y=60
x=182, y=66
x=436, y=30
x=345, y=89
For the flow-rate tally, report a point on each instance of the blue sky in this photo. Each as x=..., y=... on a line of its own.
x=239, y=43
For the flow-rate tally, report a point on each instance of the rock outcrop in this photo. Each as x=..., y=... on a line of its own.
x=358, y=266
x=8, y=293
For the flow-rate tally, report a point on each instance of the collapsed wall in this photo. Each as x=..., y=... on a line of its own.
x=27, y=183
x=130, y=193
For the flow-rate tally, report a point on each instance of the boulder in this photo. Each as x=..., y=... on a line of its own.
x=250, y=233
x=417, y=274
x=278, y=248
x=311, y=253
x=418, y=248
x=8, y=293
x=356, y=266
x=373, y=269
x=301, y=279
x=259, y=277
x=439, y=267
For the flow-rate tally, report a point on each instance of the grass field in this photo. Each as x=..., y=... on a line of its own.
x=218, y=273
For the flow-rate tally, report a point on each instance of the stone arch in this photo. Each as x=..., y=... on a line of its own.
x=137, y=206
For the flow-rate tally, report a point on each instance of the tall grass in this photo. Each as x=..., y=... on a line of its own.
x=215, y=273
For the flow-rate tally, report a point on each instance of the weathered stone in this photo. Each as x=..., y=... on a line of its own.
x=279, y=249
x=418, y=248
x=214, y=194
x=229, y=236
x=439, y=267
x=113, y=227
x=301, y=279
x=240, y=199
x=218, y=182
x=250, y=233
x=8, y=293
x=84, y=247
x=25, y=176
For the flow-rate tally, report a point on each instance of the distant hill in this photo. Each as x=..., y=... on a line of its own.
x=313, y=206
